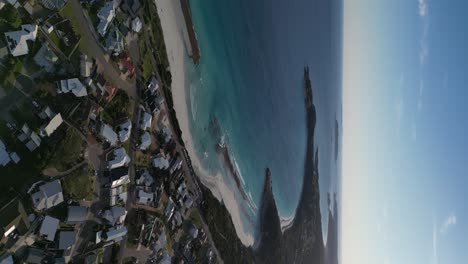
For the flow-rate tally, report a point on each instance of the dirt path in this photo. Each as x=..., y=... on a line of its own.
x=53, y=172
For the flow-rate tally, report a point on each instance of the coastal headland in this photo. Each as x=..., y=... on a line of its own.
x=302, y=241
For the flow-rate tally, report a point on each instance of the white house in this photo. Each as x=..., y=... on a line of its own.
x=119, y=177
x=108, y=134
x=124, y=130
x=145, y=197
x=73, y=85
x=145, y=122
x=136, y=24
x=161, y=163
x=48, y=196
x=54, y=123
x=145, y=141
x=17, y=40
x=120, y=159
x=86, y=66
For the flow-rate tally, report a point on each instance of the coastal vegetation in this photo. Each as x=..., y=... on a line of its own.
x=118, y=108
x=68, y=152
x=79, y=184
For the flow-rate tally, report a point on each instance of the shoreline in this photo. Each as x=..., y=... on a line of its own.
x=172, y=23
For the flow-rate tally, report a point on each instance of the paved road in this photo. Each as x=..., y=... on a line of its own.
x=88, y=38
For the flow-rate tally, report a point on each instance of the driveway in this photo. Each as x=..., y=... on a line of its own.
x=94, y=50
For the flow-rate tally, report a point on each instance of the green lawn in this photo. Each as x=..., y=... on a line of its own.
x=79, y=184
x=68, y=151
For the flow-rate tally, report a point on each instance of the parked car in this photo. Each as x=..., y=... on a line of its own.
x=36, y=104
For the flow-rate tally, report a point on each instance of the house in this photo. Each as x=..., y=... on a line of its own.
x=114, y=234
x=18, y=40
x=119, y=197
x=46, y=58
x=48, y=196
x=145, y=122
x=136, y=25
x=160, y=162
x=14, y=157
x=120, y=159
x=14, y=3
x=54, y=123
x=14, y=220
x=108, y=134
x=115, y=215
x=49, y=228
x=145, y=179
x=86, y=65
x=4, y=156
x=7, y=258
x=145, y=197
x=166, y=131
x=193, y=231
x=53, y=4
x=170, y=208
x=106, y=14
x=115, y=42
x=46, y=113
x=126, y=64
x=131, y=6
x=153, y=85
x=25, y=133
x=34, y=142
x=119, y=176
x=76, y=214
x=124, y=130
x=48, y=27
x=66, y=240
x=34, y=255
x=145, y=141
x=177, y=164
x=72, y=86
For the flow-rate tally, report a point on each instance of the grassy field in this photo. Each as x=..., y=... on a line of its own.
x=79, y=184
x=68, y=152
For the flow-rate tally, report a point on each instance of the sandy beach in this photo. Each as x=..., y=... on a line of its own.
x=173, y=25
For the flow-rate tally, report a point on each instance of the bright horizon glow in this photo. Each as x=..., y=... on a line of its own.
x=403, y=189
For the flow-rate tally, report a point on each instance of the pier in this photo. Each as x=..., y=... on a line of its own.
x=195, y=51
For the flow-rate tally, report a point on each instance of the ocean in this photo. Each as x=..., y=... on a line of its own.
x=249, y=83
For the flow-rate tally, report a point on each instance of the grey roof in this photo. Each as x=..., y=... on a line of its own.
x=76, y=214
x=67, y=239
x=6, y=259
x=34, y=256
x=53, y=4
x=116, y=234
x=108, y=134
x=49, y=195
x=49, y=227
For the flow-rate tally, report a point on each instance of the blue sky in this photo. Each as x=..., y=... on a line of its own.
x=405, y=147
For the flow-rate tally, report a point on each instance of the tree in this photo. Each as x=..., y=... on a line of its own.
x=10, y=16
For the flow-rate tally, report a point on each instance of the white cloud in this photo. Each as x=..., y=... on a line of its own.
x=422, y=8
x=449, y=221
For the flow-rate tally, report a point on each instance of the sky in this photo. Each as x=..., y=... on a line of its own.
x=405, y=128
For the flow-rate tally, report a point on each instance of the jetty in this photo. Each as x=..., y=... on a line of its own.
x=193, y=49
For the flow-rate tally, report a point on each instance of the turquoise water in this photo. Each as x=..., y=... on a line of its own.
x=250, y=79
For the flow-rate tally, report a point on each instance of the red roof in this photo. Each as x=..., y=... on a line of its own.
x=127, y=63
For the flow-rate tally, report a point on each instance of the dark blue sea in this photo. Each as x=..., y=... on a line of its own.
x=250, y=79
